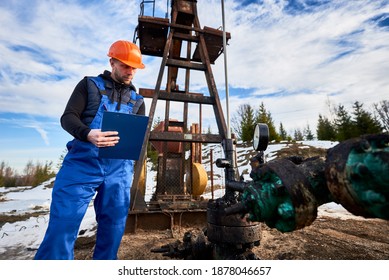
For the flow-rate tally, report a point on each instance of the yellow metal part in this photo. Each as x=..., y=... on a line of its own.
x=142, y=180
x=199, y=179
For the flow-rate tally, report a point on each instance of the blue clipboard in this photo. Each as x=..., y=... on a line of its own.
x=132, y=130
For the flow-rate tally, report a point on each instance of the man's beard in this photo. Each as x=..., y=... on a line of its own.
x=120, y=78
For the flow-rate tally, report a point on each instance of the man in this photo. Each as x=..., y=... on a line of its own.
x=83, y=174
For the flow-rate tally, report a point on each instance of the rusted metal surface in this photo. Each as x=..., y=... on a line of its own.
x=180, y=96
x=162, y=220
x=230, y=229
x=234, y=236
x=152, y=32
x=185, y=6
x=299, y=189
x=346, y=178
x=186, y=137
x=170, y=175
x=220, y=120
x=186, y=10
x=170, y=147
x=314, y=170
x=337, y=177
x=186, y=64
x=214, y=42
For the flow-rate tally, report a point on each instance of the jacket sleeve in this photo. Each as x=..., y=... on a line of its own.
x=71, y=118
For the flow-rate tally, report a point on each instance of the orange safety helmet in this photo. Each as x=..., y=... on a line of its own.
x=126, y=52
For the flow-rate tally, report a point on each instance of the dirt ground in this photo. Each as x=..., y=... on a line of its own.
x=327, y=238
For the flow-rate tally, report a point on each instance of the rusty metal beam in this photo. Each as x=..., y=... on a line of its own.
x=171, y=25
x=185, y=37
x=187, y=137
x=220, y=120
x=185, y=64
x=191, y=97
x=161, y=220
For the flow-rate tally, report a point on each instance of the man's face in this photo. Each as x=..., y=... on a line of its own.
x=121, y=72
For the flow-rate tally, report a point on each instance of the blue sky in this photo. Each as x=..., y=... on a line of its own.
x=296, y=57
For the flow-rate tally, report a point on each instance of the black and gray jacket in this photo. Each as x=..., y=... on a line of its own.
x=85, y=100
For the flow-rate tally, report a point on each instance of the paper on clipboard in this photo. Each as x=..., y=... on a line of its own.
x=132, y=130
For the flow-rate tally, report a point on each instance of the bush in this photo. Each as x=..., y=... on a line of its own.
x=34, y=174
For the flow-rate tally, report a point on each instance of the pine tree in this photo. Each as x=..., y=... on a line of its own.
x=282, y=133
x=248, y=123
x=298, y=135
x=344, y=126
x=364, y=122
x=262, y=116
x=209, y=130
x=243, y=123
x=308, y=135
x=325, y=129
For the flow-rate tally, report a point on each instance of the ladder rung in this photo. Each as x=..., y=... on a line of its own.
x=190, y=97
x=185, y=64
x=185, y=37
x=184, y=137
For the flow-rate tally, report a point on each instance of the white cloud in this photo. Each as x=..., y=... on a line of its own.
x=42, y=132
x=39, y=126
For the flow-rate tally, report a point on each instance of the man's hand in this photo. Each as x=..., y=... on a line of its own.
x=103, y=139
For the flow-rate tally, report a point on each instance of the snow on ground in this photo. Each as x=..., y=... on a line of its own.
x=29, y=233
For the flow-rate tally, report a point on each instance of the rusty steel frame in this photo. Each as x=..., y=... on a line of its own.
x=184, y=26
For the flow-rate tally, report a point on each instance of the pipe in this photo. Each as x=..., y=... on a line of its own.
x=225, y=72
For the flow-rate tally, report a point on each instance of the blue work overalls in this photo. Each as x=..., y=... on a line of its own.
x=83, y=174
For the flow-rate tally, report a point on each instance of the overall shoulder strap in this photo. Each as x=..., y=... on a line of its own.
x=138, y=101
x=99, y=83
